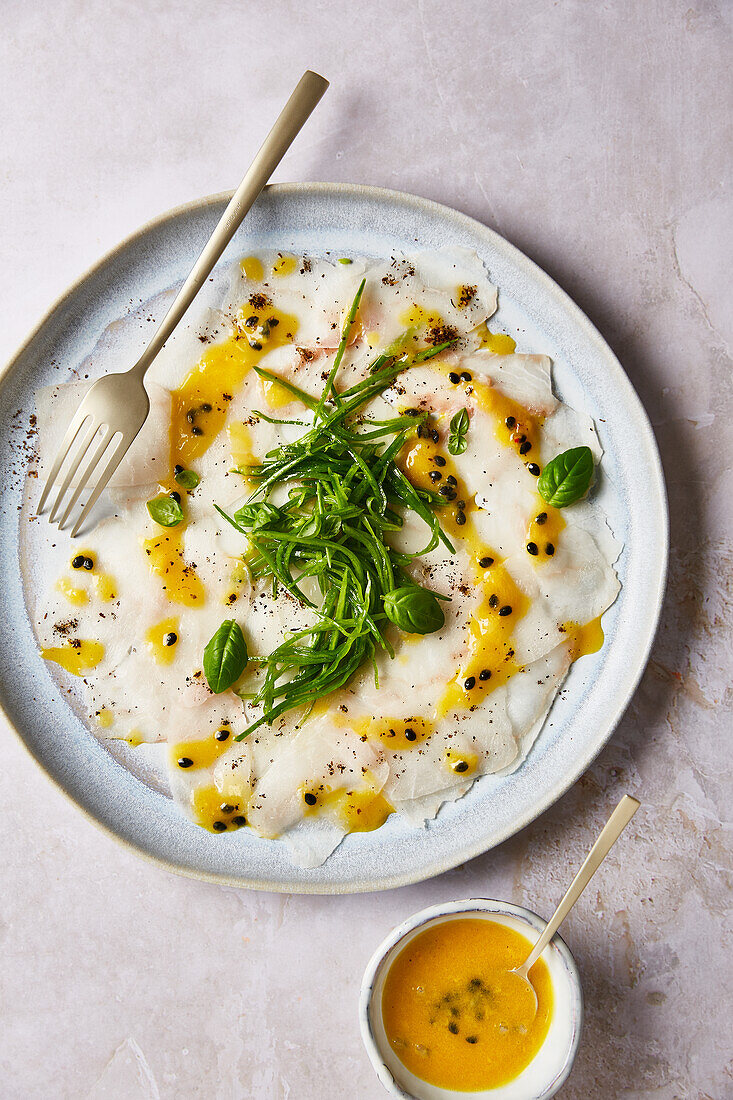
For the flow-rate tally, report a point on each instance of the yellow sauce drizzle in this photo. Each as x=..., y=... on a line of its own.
x=417, y=460
x=545, y=535
x=452, y=1012
x=359, y=811
x=199, y=407
x=210, y=806
x=276, y=396
x=87, y=554
x=165, y=558
x=238, y=576
x=584, y=639
x=155, y=636
x=240, y=444
x=76, y=657
x=284, y=265
x=498, y=342
x=77, y=596
x=363, y=811
x=526, y=426
x=397, y=734
x=105, y=587
x=514, y=425
x=462, y=763
x=418, y=316
x=203, y=753
x=252, y=268
x=489, y=643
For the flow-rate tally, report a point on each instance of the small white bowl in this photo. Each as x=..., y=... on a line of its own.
x=551, y=1065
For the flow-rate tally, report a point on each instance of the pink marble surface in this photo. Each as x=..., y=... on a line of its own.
x=597, y=138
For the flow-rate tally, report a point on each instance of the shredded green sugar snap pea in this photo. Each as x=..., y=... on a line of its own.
x=330, y=536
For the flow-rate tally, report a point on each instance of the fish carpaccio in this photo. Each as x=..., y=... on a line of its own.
x=133, y=604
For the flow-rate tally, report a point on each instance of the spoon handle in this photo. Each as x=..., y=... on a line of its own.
x=612, y=830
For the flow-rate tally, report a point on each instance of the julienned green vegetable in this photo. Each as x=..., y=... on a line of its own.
x=413, y=609
x=165, y=510
x=327, y=544
x=188, y=479
x=457, y=442
x=225, y=657
x=567, y=477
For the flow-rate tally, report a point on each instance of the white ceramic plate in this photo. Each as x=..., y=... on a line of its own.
x=353, y=220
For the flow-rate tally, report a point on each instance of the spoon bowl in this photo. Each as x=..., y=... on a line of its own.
x=523, y=992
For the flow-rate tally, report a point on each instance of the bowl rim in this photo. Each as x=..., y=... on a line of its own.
x=458, y=908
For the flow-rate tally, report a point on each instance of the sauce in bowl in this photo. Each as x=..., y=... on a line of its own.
x=453, y=1014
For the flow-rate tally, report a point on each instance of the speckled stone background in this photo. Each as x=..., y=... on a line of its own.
x=596, y=137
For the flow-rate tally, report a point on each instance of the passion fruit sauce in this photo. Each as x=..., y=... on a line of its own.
x=452, y=1012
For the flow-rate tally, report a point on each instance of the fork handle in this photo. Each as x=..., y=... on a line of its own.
x=292, y=118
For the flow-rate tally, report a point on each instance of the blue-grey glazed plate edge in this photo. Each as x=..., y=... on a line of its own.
x=353, y=218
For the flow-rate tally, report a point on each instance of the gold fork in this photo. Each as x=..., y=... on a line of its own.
x=116, y=407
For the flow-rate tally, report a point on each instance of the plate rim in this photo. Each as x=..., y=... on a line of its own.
x=511, y=252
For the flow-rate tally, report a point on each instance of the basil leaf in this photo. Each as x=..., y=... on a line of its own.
x=189, y=479
x=165, y=510
x=458, y=431
x=225, y=656
x=414, y=609
x=257, y=516
x=567, y=478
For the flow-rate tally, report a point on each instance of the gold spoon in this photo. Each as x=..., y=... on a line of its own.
x=610, y=833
